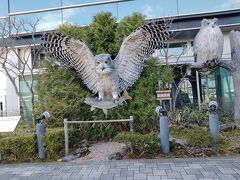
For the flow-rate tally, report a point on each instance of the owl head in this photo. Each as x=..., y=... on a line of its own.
x=103, y=63
x=209, y=23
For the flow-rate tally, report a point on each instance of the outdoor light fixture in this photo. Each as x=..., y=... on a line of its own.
x=43, y=116
x=213, y=105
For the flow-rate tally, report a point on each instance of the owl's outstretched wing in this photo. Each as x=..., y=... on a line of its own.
x=136, y=48
x=75, y=55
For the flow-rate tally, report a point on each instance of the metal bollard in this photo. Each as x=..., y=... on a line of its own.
x=164, y=129
x=41, y=130
x=214, y=124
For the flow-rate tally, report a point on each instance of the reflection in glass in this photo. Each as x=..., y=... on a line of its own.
x=4, y=8
x=25, y=92
x=198, y=6
x=208, y=84
x=28, y=5
x=84, y=15
x=45, y=21
x=149, y=8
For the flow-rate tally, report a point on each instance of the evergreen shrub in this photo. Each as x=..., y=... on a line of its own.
x=20, y=148
x=141, y=143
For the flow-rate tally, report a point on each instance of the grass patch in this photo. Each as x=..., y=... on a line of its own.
x=196, y=136
x=140, y=143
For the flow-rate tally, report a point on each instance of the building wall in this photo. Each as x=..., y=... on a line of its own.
x=12, y=100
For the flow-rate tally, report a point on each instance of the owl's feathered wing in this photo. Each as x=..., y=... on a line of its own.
x=75, y=55
x=136, y=48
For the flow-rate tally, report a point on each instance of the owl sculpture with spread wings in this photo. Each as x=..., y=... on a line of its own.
x=208, y=43
x=101, y=74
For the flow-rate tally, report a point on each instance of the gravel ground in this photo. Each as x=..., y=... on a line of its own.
x=101, y=151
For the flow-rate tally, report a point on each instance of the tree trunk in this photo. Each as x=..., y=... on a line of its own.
x=236, y=82
x=33, y=108
x=235, y=53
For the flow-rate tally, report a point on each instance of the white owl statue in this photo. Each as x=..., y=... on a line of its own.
x=208, y=44
x=101, y=74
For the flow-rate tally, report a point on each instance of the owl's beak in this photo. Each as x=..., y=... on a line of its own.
x=103, y=68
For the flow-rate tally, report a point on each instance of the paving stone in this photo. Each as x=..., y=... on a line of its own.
x=209, y=174
x=128, y=173
x=146, y=170
x=153, y=177
x=94, y=174
x=236, y=176
x=163, y=166
x=227, y=170
x=193, y=171
x=174, y=175
x=106, y=177
x=140, y=176
x=208, y=169
x=120, y=178
x=226, y=176
x=199, y=176
x=160, y=172
x=189, y=177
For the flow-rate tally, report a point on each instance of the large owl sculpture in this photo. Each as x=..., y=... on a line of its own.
x=101, y=74
x=208, y=44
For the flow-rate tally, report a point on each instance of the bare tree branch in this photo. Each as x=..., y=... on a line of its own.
x=10, y=32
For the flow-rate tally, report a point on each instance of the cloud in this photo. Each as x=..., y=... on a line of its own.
x=53, y=19
x=230, y=4
x=151, y=12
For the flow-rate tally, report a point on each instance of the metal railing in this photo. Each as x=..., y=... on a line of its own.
x=66, y=122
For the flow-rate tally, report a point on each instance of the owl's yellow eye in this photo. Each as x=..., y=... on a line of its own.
x=98, y=62
x=106, y=62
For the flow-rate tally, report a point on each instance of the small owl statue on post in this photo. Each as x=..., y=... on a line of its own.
x=101, y=74
x=208, y=44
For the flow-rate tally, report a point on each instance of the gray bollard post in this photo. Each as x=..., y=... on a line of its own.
x=164, y=129
x=214, y=124
x=41, y=130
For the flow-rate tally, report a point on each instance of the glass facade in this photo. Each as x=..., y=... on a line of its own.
x=24, y=90
x=83, y=15
x=218, y=86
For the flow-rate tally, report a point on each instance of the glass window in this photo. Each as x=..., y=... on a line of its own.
x=149, y=8
x=38, y=57
x=208, y=85
x=84, y=15
x=24, y=90
x=174, y=50
x=198, y=6
x=4, y=8
x=28, y=5
x=186, y=91
x=45, y=20
x=225, y=89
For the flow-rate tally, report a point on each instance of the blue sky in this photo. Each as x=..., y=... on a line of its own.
x=150, y=8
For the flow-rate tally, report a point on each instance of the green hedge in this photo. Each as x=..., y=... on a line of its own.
x=18, y=147
x=141, y=143
x=23, y=147
x=54, y=142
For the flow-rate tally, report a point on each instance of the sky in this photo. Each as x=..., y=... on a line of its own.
x=83, y=16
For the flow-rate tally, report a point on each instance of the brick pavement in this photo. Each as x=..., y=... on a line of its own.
x=186, y=169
